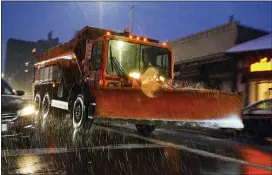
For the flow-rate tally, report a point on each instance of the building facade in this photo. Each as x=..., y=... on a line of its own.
x=254, y=68
x=200, y=59
x=20, y=60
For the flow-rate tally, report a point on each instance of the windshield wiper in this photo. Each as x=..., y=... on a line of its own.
x=115, y=64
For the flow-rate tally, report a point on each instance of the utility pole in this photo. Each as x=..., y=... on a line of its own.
x=131, y=18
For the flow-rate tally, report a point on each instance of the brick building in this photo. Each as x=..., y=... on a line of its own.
x=20, y=60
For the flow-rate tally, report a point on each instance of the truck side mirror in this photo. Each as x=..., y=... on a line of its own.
x=97, y=67
x=88, y=50
x=96, y=62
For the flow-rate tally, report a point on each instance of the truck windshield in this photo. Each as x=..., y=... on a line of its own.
x=138, y=57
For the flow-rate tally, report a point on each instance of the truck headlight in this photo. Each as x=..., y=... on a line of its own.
x=135, y=75
x=161, y=78
x=29, y=110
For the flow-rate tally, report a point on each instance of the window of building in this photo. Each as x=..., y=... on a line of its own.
x=260, y=90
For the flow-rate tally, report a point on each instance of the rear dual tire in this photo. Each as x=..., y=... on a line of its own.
x=42, y=105
x=38, y=102
x=46, y=105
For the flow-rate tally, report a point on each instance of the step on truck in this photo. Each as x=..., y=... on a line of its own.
x=109, y=76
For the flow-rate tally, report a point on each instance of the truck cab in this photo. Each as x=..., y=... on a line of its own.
x=119, y=61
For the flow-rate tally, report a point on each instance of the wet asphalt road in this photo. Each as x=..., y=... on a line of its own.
x=119, y=149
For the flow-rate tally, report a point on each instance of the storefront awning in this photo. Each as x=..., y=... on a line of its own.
x=262, y=43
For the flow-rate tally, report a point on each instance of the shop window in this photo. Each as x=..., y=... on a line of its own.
x=260, y=90
x=263, y=90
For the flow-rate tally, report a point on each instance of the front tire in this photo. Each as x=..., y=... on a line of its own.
x=145, y=130
x=79, y=113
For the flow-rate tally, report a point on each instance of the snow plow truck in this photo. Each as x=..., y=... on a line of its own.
x=108, y=76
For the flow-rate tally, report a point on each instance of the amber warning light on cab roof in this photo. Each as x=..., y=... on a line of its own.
x=138, y=38
x=126, y=33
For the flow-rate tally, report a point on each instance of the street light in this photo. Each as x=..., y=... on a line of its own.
x=2, y=75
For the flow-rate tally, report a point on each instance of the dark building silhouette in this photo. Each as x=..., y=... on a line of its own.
x=20, y=59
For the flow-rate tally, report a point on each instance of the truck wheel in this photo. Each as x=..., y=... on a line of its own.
x=37, y=103
x=46, y=105
x=79, y=113
x=145, y=129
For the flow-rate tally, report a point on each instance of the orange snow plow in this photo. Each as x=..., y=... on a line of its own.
x=105, y=74
x=170, y=105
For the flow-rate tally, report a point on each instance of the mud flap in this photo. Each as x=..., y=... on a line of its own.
x=168, y=105
x=91, y=111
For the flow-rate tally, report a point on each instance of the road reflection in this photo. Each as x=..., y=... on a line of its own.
x=252, y=155
x=165, y=160
x=58, y=148
x=28, y=164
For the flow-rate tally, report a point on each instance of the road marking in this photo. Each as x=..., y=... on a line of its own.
x=192, y=150
x=175, y=131
x=198, y=134
x=42, y=151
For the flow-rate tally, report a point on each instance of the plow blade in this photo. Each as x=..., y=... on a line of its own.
x=168, y=105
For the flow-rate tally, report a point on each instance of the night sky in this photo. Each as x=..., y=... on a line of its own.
x=161, y=20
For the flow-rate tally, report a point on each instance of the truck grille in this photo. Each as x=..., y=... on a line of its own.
x=8, y=117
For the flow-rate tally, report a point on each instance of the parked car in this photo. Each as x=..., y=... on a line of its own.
x=257, y=118
x=17, y=114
